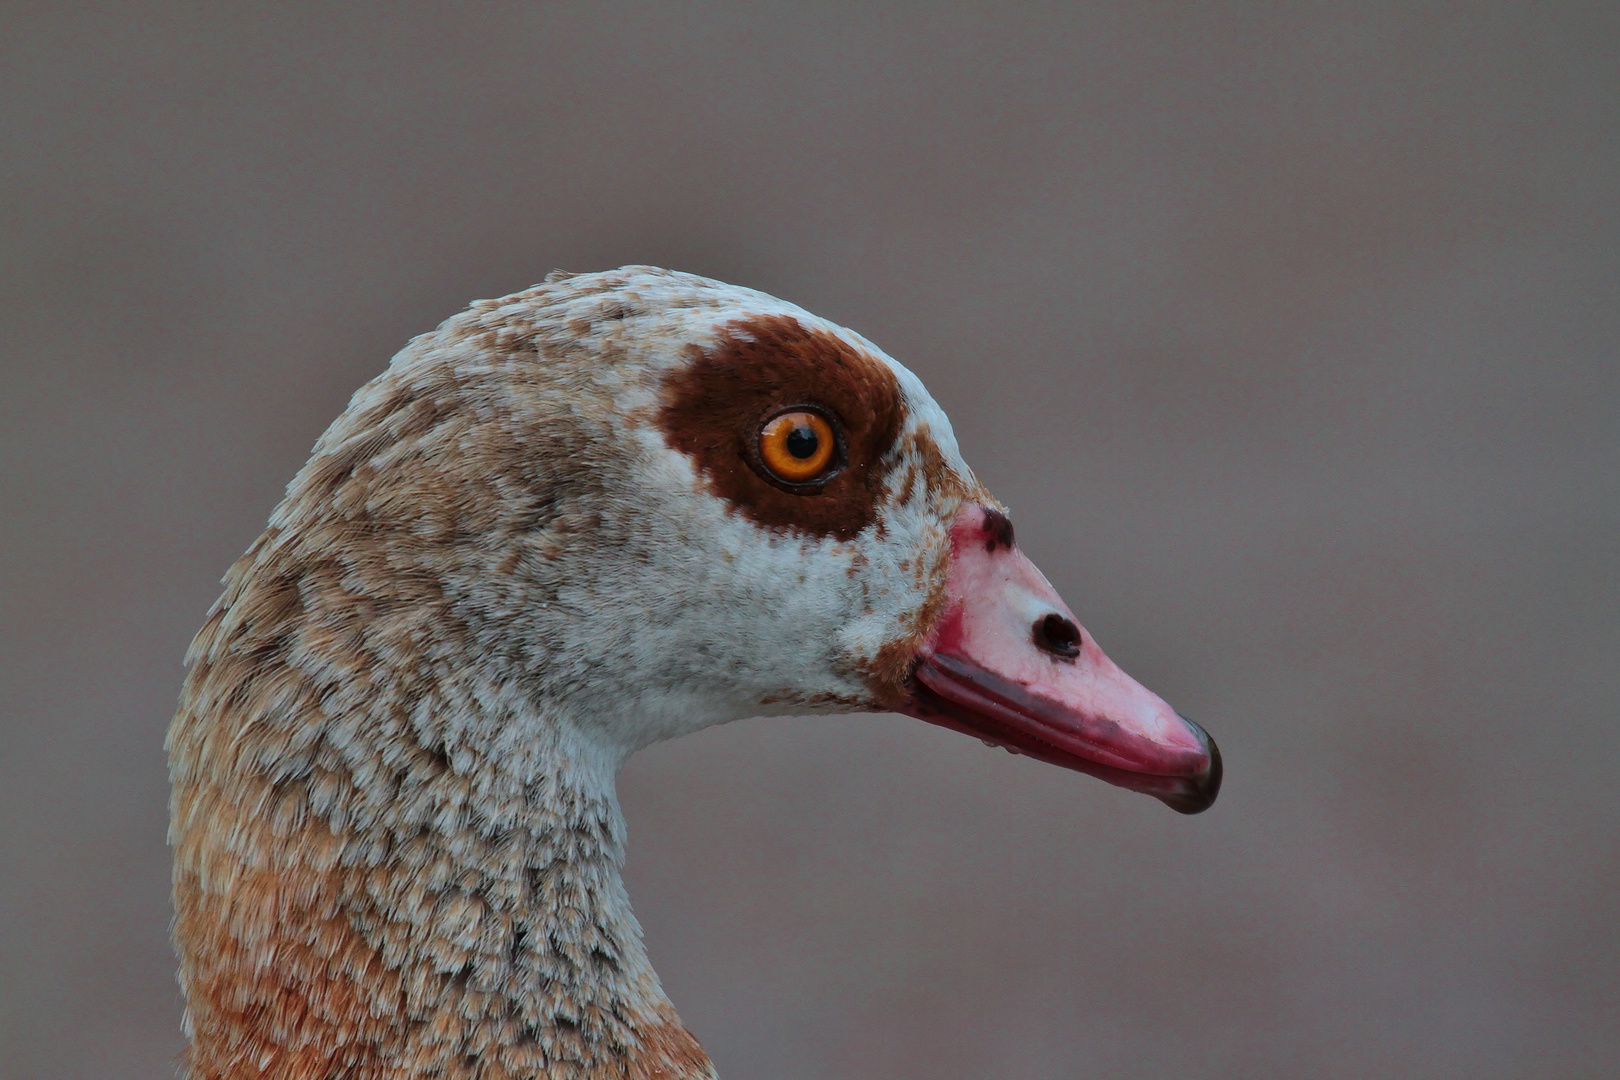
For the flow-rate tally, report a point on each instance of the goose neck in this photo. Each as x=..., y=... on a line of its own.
x=427, y=884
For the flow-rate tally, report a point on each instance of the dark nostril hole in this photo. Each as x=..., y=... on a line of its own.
x=1058, y=636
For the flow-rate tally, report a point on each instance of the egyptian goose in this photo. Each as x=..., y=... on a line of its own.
x=609, y=510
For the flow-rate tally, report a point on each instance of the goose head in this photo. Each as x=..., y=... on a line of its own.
x=607, y=511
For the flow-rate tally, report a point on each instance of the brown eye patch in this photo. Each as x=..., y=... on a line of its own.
x=719, y=406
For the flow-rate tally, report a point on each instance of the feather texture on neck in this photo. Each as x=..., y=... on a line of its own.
x=389, y=867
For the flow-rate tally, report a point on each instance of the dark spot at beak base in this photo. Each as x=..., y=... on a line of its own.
x=998, y=530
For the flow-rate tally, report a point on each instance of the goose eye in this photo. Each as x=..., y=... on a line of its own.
x=798, y=446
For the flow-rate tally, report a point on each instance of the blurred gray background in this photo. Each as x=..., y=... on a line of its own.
x=1291, y=334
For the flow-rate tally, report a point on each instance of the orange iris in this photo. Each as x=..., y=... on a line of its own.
x=797, y=446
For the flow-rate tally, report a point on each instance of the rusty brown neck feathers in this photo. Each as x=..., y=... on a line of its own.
x=389, y=865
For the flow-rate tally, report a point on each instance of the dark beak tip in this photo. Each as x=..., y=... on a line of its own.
x=1200, y=793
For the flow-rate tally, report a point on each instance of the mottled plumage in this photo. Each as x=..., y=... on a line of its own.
x=526, y=550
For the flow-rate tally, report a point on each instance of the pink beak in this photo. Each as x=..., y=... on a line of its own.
x=1009, y=664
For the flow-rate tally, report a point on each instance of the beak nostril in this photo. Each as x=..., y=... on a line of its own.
x=1058, y=636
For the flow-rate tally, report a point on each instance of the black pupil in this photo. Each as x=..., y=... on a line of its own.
x=802, y=442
